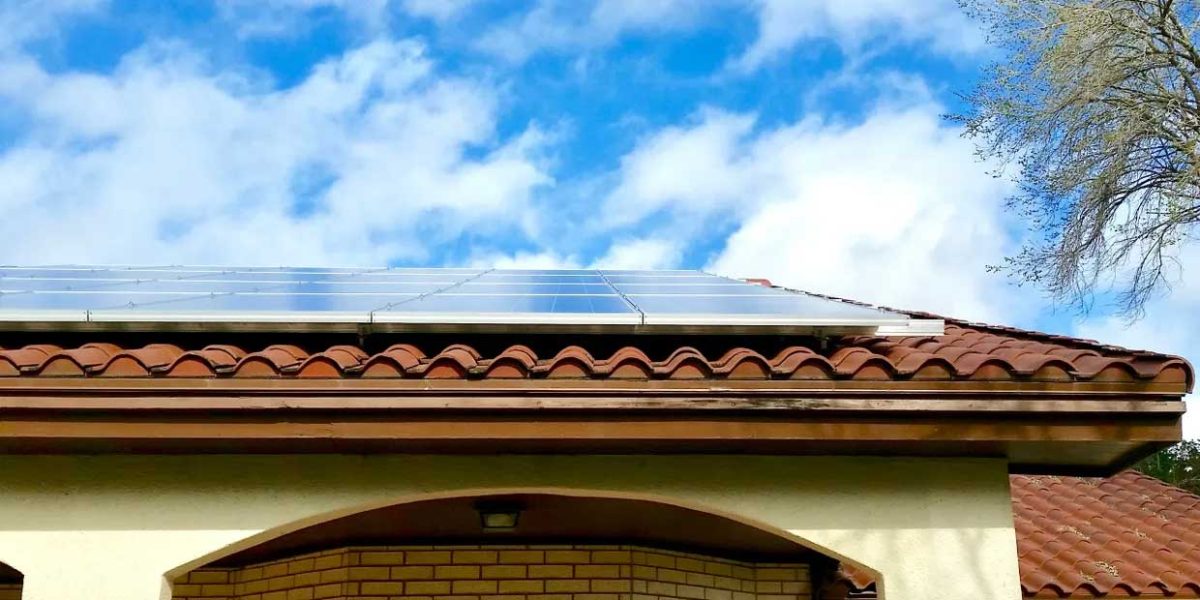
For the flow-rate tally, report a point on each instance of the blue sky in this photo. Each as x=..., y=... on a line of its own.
x=798, y=140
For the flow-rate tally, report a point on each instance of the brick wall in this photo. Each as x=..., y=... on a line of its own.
x=10, y=591
x=500, y=573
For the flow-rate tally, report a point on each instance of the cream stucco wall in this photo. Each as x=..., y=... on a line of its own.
x=113, y=527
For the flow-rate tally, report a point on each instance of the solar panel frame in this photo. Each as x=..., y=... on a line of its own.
x=396, y=299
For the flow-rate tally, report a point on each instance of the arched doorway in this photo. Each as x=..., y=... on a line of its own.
x=518, y=546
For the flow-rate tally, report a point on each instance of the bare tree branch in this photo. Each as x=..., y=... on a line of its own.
x=1097, y=105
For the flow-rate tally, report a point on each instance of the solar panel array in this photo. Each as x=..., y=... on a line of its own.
x=177, y=294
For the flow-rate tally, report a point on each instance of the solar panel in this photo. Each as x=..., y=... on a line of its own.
x=393, y=299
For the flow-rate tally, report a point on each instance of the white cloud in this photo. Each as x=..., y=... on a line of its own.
x=26, y=20
x=893, y=210
x=643, y=253
x=268, y=18
x=438, y=10
x=371, y=158
x=572, y=25
x=785, y=24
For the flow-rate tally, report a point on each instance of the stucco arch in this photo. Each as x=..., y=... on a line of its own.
x=485, y=492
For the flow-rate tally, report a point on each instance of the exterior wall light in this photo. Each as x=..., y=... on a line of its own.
x=498, y=516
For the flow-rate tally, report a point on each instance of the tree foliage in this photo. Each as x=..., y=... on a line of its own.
x=1097, y=106
x=1178, y=465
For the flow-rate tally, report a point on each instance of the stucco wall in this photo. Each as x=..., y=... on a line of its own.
x=122, y=527
x=571, y=572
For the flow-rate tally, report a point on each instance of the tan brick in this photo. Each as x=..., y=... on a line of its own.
x=639, y=586
x=180, y=590
x=409, y=573
x=743, y=572
x=475, y=557
x=568, y=556
x=775, y=574
x=716, y=568
x=302, y=565
x=500, y=597
x=448, y=598
x=689, y=564
x=281, y=583
x=217, y=589
x=274, y=570
x=743, y=596
x=597, y=571
x=327, y=591
x=279, y=595
x=796, y=587
x=776, y=597
x=522, y=586
x=566, y=585
x=549, y=597
x=361, y=573
x=711, y=594
x=251, y=574
x=597, y=597
x=433, y=557
x=381, y=558
x=308, y=579
x=252, y=597
x=611, y=556
x=427, y=587
x=690, y=591
x=642, y=572
x=659, y=588
x=335, y=575
x=701, y=579
x=616, y=586
x=522, y=556
x=644, y=597
x=327, y=562
x=381, y=588
x=660, y=560
x=504, y=572
x=473, y=587
x=254, y=587
x=672, y=576
x=550, y=571
x=727, y=583
x=456, y=572
x=769, y=587
x=209, y=577
x=300, y=594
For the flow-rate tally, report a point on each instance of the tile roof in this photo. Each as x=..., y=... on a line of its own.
x=967, y=351
x=1129, y=535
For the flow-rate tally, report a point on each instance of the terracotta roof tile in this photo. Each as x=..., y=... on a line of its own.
x=1079, y=537
x=965, y=352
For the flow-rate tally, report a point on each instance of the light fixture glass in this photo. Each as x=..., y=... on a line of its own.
x=498, y=516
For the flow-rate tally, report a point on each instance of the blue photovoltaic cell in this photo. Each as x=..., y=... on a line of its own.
x=493, y=287
x=693, y=289
x=512, y=278
x=417, y=295
x=794, y=305
x=264, y=303
x=517, y=304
